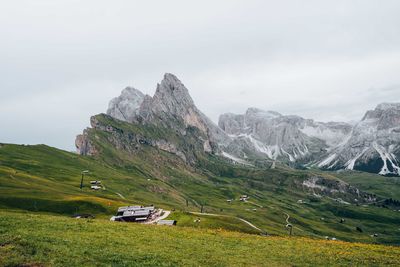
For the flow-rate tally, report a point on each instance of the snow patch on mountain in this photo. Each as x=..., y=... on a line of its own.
x=291, y=158
x=271, y=151
x=386, y=158
x=350, y=164
x=281, y=137
x=327, y=161
x=235, y=159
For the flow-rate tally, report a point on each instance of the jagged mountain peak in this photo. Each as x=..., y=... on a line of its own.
x=125, y=106
x=386, y=106
x=170, y=108
x=172, y=96
x=384, y=116
x=171, y=81
x=383, y=108
x=172, y=87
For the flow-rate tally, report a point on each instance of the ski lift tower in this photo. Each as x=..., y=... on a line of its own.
x=83, y=174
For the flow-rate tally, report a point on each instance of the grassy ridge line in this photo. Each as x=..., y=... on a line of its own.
x=57, y=241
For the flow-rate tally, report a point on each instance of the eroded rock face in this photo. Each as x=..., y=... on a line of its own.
x=84, y=145
x=127, y=141
x=172, y=97
x=387, y=116
x=125, y=107
x=169, y=147
x=374, y=143
x=276, y=136
x=171, y=106
x=338, y=189
x=371, y=145
x=172, y=101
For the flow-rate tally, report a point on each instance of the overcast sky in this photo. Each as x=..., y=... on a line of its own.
x=62, y=61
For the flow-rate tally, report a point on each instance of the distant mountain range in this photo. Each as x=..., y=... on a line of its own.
x=371, y=145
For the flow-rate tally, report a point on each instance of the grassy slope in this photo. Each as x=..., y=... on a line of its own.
x=59, y=241
x=40, y=178
x=46, y=179
x=380, y=185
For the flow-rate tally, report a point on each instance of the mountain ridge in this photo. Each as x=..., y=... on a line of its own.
x=370, y=144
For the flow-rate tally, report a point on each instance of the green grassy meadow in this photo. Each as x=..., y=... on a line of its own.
x=44, y=179
x=28, y=239
x=39, y=191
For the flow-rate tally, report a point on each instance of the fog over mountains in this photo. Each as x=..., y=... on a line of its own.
x=372, y=144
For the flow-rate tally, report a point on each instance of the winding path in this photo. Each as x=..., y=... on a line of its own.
x=229, y=216
x=287, y=217
x=121, y=196
x=287, y=221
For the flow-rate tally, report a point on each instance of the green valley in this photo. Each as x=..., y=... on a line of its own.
x=43, y=179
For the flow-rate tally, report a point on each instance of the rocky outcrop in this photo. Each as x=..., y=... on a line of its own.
x=171, y=110
x=125, y=107
x=172, y=102
x=337, y=189
x=122, y=140
x=374, y=143
x=371, y=145
x=171, y=148
x=170, y=107
x=84, y=145
x=278, y=137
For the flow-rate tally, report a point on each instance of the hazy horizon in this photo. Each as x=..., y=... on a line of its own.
x=327, y=61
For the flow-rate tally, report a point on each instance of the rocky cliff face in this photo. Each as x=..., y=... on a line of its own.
x=372, y=145
x=83, y=144
x=126, y=106
x=170, y=108
x=341, y=191
x=280, y=137
x=122, y=138
x=172, y=105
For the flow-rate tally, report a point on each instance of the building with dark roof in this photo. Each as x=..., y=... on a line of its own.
x=133, y=214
